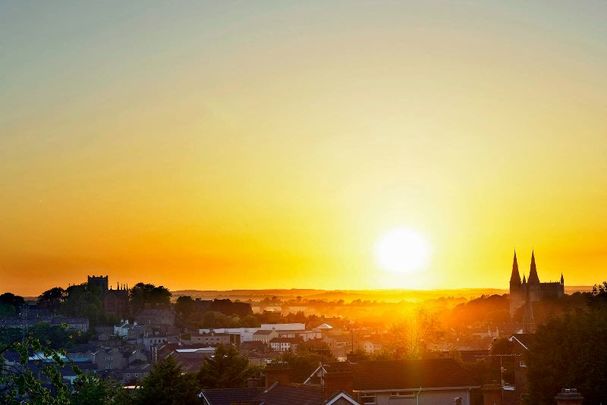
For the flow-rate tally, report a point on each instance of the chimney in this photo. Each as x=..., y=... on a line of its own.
x=277, y=374
x=569, y=396
x=337, y=381
x=492, y=394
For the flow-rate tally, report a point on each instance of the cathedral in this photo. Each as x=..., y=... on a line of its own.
x=531, y=289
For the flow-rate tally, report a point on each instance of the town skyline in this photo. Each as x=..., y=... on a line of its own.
x=318, y=202
x=274, y=146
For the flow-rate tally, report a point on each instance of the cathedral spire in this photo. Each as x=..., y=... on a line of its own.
x=533, y=277
x=515, y=277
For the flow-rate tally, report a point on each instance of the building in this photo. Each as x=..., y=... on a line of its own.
x=246, y=334
x=98, y=282
x=529, y=290
x=189, y=357
x=215, y=339
x=115, y=302
x=264, y=336
x=156, y=336
x=520, y=346
x=110, y=358
x=129, y=331
x=304, y=335
x=419, y=382
x=275, y=394
x=282, y=344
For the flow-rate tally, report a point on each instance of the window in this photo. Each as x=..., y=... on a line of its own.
x=368, y=399
x=401, y=394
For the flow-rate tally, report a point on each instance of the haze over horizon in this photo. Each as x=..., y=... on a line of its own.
x=229, y=145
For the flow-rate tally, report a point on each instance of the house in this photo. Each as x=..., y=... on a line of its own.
x=339, y=342
x=127, y=330
x=281, y=344
x=136, y=356
x=155, y=335
x=341, y=398
x=275, y=394
x=520, y=346
x=403, y=382
x=81, y=353
x=135, y=372
x=370, y=346
x=229, y=396
x=109, y=358
x=189, y=357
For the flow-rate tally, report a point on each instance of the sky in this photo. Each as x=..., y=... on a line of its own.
x=271, y=144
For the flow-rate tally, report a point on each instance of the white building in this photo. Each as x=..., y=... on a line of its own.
x=246, y=334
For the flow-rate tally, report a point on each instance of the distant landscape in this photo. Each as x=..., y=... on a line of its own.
x=396, y=295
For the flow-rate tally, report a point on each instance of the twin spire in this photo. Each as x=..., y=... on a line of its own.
x=533, y=277
x=515, y=277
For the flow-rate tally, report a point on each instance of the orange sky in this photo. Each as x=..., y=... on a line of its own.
x=220, y=146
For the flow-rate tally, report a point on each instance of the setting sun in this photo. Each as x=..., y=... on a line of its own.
x=402, y=251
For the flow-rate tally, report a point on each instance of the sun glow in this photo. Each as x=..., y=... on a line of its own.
x=402, y=251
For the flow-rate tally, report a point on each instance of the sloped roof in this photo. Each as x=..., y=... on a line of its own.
x=427, y=373
x=342, y=396
x=523, y=339
x=264, y=332
x=276, y=394
x=228, y=396
x=279, y=394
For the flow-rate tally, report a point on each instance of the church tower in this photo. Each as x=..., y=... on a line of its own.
x=515, y=277
x=517, y=293
x=533, y=277
x=533, y=282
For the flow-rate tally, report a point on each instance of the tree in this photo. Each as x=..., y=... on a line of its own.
x=81, y=300
x=41, y=383
x=92, y=390
x=11, y=299
x=184, y=306
x=143, y=295
x=226, y=369
x=302, y=363
x=168, y=385
x=569, y=352
x=10, y=304
x=599, y=294
x=52, y=299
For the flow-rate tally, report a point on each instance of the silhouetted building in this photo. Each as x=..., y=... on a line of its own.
x=530, y=289
x=115, y=302
x=98, y=282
